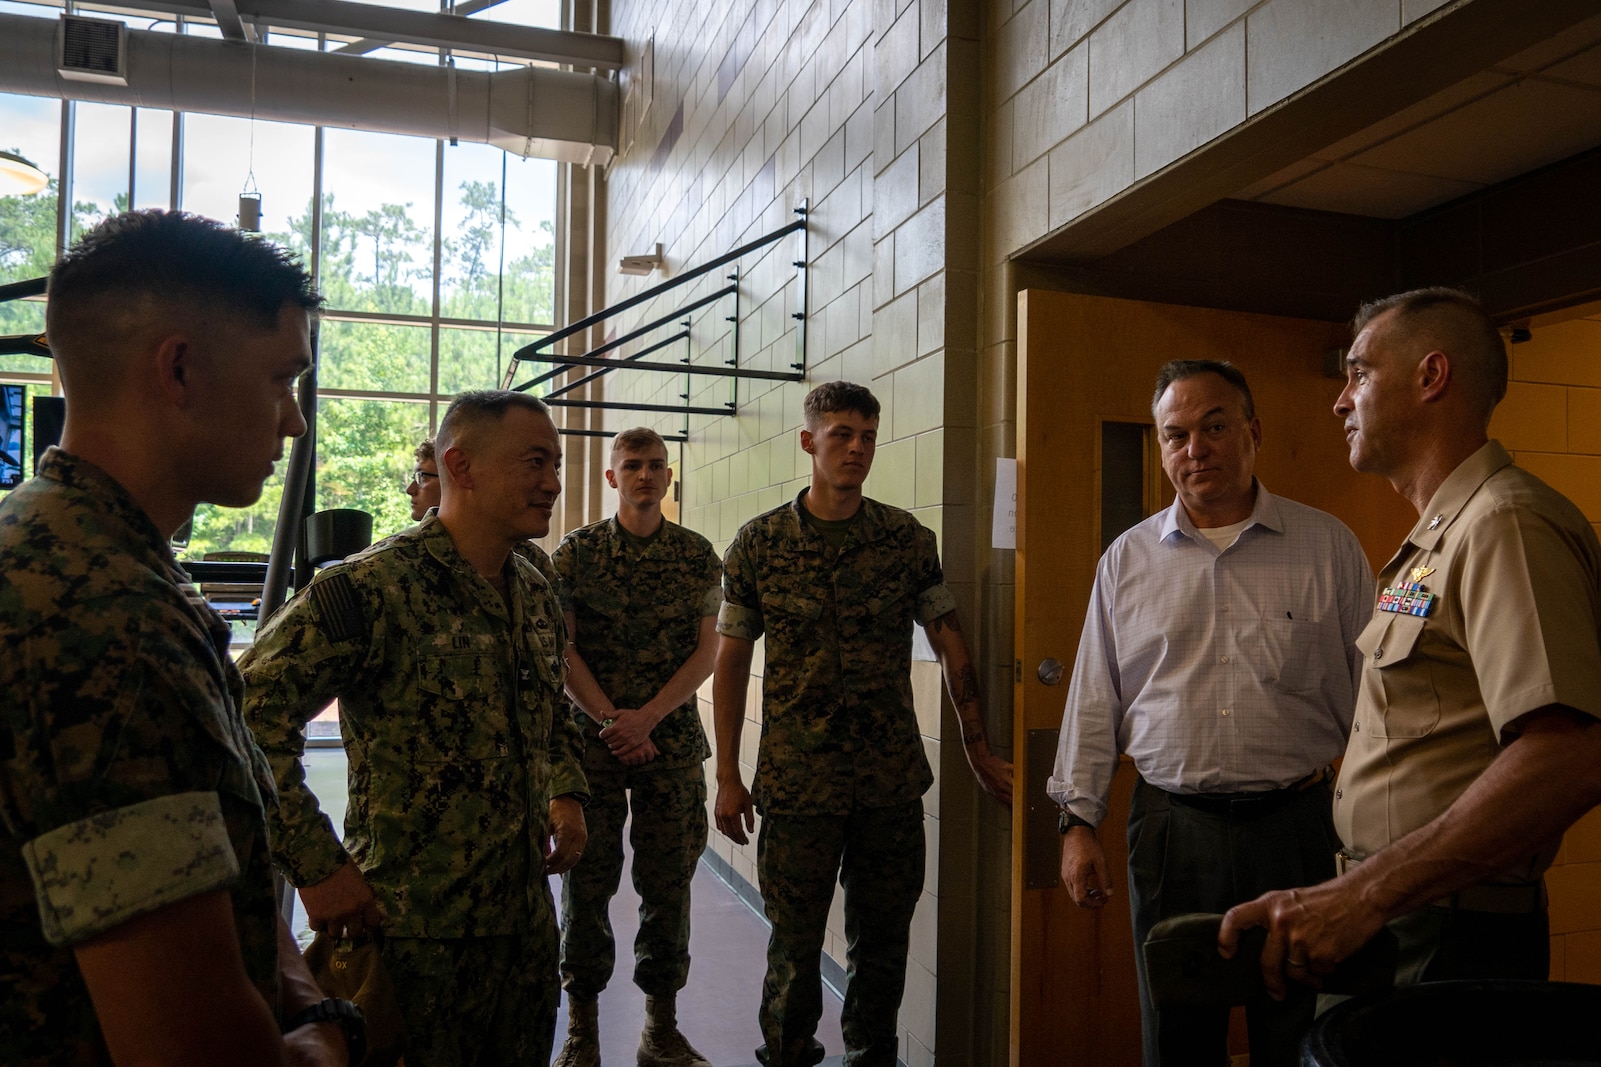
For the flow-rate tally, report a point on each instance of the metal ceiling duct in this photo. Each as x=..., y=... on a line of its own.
x=529, y=111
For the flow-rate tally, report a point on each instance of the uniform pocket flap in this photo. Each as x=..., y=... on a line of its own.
x=791, y=606
x=1390, y=639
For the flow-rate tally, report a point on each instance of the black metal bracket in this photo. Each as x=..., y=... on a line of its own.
x=565, y=432
x=543, y=350
x=609, y=405
x=680, y=368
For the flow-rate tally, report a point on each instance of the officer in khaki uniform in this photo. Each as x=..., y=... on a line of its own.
x=1475, y=743
x=640, y=596
x=835, y=582
x=137, y=912
x=444, y=648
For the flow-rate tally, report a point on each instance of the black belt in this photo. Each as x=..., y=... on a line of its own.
x=1249, y=805
x=1524, y=898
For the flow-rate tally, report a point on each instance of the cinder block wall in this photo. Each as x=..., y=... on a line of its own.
x=756, y=106
x=1086, y=99
x=1551, y=422
x=1086, y=103
x=935, y=142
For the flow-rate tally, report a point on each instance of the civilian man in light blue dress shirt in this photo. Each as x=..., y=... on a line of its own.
x=1219, y=655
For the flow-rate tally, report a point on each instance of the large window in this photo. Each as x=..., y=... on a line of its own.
x=437, y=259
x=31, y=128
x=223, y=157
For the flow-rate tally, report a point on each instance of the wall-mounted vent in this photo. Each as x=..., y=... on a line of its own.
x=93, y=50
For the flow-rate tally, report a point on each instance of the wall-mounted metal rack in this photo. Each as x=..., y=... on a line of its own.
x=544, y=349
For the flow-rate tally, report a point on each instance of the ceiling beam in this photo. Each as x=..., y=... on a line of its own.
x=441, y=31
x=575, y=122
x=431, y=29
x=228, y=21
x=372, y=44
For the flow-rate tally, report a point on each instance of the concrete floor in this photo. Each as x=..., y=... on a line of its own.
x=717, y=1010
x=728, y=947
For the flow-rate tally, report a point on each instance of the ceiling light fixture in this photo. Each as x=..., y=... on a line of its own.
x=250, y=197
x=20, y=177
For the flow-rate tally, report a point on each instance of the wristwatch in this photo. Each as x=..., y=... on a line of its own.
x=344, y=1012
x=1066, y=820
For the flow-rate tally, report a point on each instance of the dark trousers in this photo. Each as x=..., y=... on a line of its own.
x=1183, y=859
x=877, y=854
x=668, y=834
x=1439, y=944
x=476, y=1001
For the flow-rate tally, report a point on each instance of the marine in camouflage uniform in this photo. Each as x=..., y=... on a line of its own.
x=127, y=779
x=638, y=614
x=841, y=770
x=639, y=596
x=137, y=915
x=835, y=582
x=449, y=707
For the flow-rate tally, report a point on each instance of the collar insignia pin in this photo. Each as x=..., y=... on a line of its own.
x=1436, y=521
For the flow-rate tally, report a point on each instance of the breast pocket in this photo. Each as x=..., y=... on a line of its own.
x=601, y=609
x=789, y=617
x=456, y=694
x=1397, y=678
x=1291, y=654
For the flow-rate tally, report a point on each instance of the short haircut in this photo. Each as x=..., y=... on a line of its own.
x=838, y=396
x=479, y=407
x=424, y=450
x=142, y=258
x=638, y=439
x=1176, y=370
x=1455, y=322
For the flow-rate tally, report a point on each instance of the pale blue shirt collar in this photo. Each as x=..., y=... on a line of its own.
x=1265, y=513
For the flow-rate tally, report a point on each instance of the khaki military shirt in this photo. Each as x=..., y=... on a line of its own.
x=838, y=727
x=1509, y=573
x=127, y=779
x=448, y=701
x=638, y=620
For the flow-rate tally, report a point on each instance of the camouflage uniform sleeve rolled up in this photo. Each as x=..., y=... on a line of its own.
x=301, y=659
x=740, y=614
x=711, y=602
x=934, y=597
x=167, y=849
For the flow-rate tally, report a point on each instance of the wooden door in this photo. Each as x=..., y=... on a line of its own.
x=1084, y=362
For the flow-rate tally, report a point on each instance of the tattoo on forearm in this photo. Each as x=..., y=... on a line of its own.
x=965, y=694
x=964, y=687
x=947, y=621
